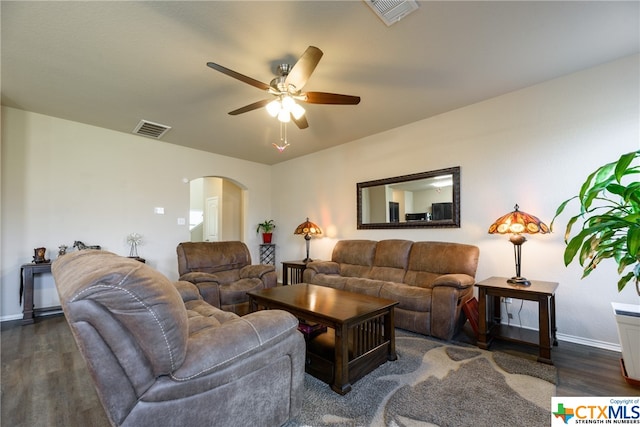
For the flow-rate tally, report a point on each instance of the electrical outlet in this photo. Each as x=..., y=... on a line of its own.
x=510, y=315
x=508, y=300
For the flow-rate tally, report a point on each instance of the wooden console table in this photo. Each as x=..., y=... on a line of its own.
x=27, y=272
x=489, y=326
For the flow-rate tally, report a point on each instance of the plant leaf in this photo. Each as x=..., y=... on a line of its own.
x=624, y=280
x=623, y=164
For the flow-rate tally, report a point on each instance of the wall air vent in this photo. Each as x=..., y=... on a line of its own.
x=150, y=129
x=391, y=11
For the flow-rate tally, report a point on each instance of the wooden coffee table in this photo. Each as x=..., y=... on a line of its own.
x=360, y=335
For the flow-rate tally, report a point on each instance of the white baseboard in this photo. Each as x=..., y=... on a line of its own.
x=582, y=341
x=589, y=342
x=19, y=316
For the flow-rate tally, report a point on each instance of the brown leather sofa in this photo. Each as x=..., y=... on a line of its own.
x=430, y=280
x=160, y=355
x=223, y=273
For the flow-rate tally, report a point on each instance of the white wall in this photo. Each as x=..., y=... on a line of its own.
x=533, y=147
x=64, y=181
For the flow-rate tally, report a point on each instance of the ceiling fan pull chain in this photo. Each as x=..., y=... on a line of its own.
x=283, y=138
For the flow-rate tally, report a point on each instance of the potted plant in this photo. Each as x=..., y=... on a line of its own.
x=609, y=203
x=267, y=230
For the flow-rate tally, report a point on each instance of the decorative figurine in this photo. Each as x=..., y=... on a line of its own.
x=134, y=239
x=81, y=246
x=38, y=256
x=62, y=250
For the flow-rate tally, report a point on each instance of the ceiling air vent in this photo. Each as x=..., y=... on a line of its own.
x=150, y=129
x=391, y=11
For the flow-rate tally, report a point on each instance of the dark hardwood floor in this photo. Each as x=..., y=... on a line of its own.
x=45, y=381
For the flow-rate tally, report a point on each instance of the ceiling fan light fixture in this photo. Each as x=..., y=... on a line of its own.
x=297, y=111
x=273, y=108
x=284, y=116
x=287, y=102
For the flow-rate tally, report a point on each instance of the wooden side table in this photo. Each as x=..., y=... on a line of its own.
x=489, y=326
x=293, y=269
x=27, y=272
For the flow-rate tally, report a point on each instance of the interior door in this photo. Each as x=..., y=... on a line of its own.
x=212, y=220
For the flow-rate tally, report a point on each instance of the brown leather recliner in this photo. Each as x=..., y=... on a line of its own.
x=159, y=355
x=223, y=273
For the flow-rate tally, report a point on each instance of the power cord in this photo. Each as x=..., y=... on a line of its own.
x=519, y=311
x=506, y=309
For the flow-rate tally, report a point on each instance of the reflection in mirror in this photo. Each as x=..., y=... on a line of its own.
x=427, y=199
x=215, y=210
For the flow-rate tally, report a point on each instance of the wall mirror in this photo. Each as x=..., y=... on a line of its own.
x=216, y=209
x=421, y=200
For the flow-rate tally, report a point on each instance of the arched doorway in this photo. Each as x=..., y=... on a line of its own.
x=216, y=209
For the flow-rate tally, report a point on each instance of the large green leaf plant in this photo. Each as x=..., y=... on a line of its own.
x=609, y=203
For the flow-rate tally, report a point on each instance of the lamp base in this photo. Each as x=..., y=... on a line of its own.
x=306, y=260
x=521, y=281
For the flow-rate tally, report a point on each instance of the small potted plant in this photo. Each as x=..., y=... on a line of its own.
x=609, y=206
x=267, y=230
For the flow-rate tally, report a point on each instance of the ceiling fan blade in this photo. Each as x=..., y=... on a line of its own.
x=330, y=98
x=300, y=72
x=236, y=75
x=250, y=107
x=301, y=122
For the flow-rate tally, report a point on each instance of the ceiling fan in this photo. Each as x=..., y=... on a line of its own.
x=287, y=89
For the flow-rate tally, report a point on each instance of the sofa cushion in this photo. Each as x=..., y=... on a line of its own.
x=364, y=286
x=214, y=348
x=331, y=280
x=391, y=260
x=220, y=277
x=443, y=258
x=236, y=292
x=202, y=316
x=354, y=256
x=422, y=279
x=411, y=298
x=209, y=258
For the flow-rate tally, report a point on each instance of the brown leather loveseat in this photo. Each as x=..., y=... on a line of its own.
x=430, y=280
x=223, y=273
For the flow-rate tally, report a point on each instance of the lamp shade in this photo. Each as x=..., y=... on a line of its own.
x=518, y=222
x=308, y=228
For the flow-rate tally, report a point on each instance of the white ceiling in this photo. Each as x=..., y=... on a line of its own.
x=111, y=64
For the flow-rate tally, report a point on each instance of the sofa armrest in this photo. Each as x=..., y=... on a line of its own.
x=198, y=277
x=458, y=281
x=256, y=271
x=188, y=291
x=216, y=348
x=319, y=267
x=324, y=267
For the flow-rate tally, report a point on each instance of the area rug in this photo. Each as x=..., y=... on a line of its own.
x=436, y=384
